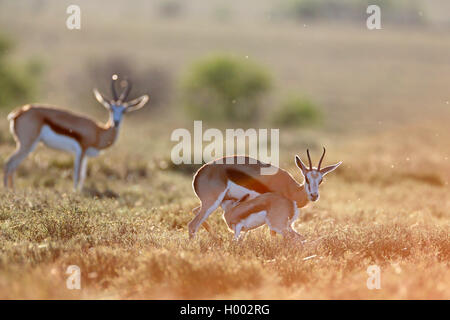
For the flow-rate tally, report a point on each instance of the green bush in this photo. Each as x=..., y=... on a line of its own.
x=298, y=111
x=17, y=83
x=397, y=12
x=223, y=88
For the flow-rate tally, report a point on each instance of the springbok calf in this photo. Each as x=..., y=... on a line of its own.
x=251, y=199
x=270, y=208
x=64, y=130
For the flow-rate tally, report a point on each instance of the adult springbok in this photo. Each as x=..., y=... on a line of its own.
x=251, y=199
x=67, y=131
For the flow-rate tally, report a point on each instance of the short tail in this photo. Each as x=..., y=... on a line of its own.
x=15, y=113
x=12, y=115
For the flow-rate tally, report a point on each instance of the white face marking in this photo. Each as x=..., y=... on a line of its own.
x=313, y=179
x=59, y=141
x=117, y=113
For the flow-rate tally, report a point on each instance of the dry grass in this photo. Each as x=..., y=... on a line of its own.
x=384, y=95
x=130, y=239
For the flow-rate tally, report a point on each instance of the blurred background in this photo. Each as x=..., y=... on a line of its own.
x=295, y=60
x=379, y=100
x=309, y=67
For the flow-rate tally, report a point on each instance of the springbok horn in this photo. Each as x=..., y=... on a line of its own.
x=113, y=86
x=126, y=91
x=321, y=158
x=309, y=159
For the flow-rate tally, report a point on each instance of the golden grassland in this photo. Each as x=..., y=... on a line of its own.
x=388, y=205
x=385, y=99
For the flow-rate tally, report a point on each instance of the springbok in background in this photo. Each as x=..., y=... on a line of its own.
x=251, y=199
x=64, y=130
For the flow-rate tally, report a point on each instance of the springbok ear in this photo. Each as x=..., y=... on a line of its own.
x=328, y=169
x=137, y=103
x=101, y=99
x=301, y=165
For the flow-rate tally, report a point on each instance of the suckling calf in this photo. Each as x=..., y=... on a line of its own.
x=271, y=209
x=231, y=182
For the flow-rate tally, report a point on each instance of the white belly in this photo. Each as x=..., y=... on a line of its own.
x=58, y=141
x=296, y=212
x=238, y=192
x=253, y=221
x=92, y=152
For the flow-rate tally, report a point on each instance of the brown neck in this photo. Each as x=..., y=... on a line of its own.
x=108, y=135
x=299, y=196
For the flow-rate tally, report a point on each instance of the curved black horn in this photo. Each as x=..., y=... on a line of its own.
x=321, y=158
x=126, y=91
x=309, y=159
x=113, y=86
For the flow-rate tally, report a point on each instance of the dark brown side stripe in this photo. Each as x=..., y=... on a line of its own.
x=63, y=131
x=262, y=205
x=249, y=211
x=246, y=181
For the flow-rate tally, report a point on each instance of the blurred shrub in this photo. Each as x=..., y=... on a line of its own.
x=297, y=111
x=223, y=88
x=153, y=80
x=170, y=8
x=222, y=13
x=18, y=83
x=5, y=45
x=392, y=11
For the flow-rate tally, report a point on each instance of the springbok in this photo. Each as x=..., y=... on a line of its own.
x=251, y=199
x=278, y=212
x=67, y=131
